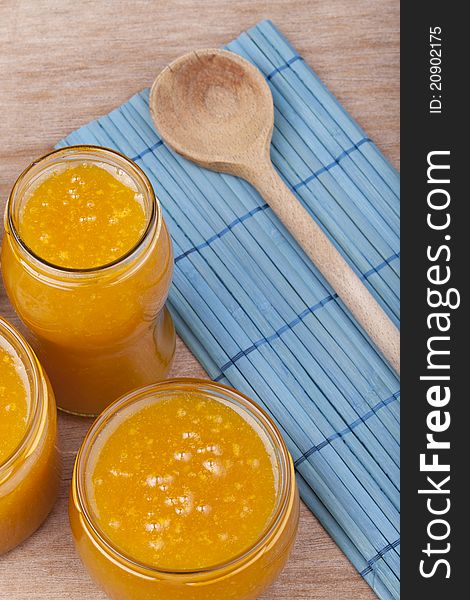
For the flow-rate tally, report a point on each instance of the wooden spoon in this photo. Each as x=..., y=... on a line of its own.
x=215, y=108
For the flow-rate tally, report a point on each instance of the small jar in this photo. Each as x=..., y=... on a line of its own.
x=103, y=331
x=29, y=477
x=243, y=577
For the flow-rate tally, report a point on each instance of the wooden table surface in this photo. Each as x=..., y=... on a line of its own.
x=65, y=62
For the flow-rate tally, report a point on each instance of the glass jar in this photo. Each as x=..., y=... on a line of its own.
x=243, y=577
x=29, y=478
x=98, y=332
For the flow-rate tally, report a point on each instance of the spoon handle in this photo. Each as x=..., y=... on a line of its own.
x=326, y=257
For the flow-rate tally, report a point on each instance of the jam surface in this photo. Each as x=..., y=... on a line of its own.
x=182, y=483
x=14, y=406
x=82, y=217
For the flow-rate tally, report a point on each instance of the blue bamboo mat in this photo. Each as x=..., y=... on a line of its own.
x=258, y=314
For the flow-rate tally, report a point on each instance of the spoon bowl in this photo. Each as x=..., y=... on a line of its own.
x=214, y=108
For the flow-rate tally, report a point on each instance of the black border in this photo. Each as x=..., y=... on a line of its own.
x=422, y=132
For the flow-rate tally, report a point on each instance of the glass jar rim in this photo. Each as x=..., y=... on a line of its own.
x=154, y=219
x=37, y=392
x=230, y=395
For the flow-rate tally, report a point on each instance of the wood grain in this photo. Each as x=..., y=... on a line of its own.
x=63, y=63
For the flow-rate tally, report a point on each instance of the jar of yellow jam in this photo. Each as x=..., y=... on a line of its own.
x=87, y=263
x=184, y=490
x=29, y=464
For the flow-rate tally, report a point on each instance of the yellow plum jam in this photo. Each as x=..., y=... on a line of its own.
x=183, y=468
x=87, y=263
x=83, y=216
x=29, y=464
x=184, y=490
x=14, y=401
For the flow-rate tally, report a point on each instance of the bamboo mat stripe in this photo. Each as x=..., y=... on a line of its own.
x=294, y=322
x=258, y=314
x=349, y=428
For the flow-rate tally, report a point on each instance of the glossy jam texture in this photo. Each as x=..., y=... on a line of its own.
x=29, y=464
x=184, y=483
x=83, y=216
x=14, y=405
x=102, y=332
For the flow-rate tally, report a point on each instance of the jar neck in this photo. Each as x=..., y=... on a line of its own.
x=286, y=496
x=38, y=398
x=63, y=276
